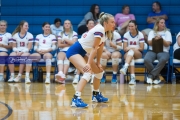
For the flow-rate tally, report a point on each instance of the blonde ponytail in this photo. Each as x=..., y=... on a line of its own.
x=18, y=28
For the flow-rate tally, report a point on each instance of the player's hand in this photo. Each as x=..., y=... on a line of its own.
x=19, y=53
x=100, y=67
x=87, y=68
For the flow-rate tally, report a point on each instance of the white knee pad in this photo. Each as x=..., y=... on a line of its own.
x=48, y=62
x=87, y=76
x=60, y=62
x=131, y=63
x=29, y=62
x=98, y=75
x=130, y=52
x=66, y=62
x=115, y=61
x=103, y=62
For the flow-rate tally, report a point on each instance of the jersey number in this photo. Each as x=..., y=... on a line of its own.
x=132, y=42
x=22, y=44
x=44, y=41
x=84, y=35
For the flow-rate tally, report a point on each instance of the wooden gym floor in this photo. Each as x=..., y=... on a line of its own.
x=39, y=101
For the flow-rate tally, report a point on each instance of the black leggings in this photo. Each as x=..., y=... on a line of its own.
x=82, y=29
x=177, y=54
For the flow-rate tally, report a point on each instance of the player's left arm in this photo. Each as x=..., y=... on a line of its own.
x=99, y=53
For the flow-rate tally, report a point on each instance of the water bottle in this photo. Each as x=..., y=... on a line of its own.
x=173, y=79
x=40, y=74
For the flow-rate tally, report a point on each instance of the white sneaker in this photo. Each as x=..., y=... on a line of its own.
x=17, y=79
x=11, y=79
x=123, y=70
x=60, y=76
x=149, y=81
x=156, y=81
x=133, y=81
x=1, y=78
x=76, y=79
x=47, y=80
x=92, y=78
x=27, y=80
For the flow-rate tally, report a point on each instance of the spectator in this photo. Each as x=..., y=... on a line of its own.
x=22, y=43
x=156, y=14
x=133, y=43
x=176, y=47
x=66, y=38
x=93, y=14
x=122, y=19
x=159, y=32
x=56, y=28
x=5, y=39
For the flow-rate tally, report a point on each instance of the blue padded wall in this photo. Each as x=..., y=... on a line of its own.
x=38, y=11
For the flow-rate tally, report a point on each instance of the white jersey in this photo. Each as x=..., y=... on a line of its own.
x=176, y=46
x=166, y=35
x=63, y=35
x=45, y=42
x=133, y=41
x=5, y=39
x=22, y=42
x=55, y=30
x=116, y=39
x=87, y=40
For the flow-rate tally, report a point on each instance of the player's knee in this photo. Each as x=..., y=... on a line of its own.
x=115, y=61
x=60, y=62
x=48, y=62
x=99, y=75
x=103, y=62
x=131, y=63
x=130, y=53
x=87, y=76
x=66, y=62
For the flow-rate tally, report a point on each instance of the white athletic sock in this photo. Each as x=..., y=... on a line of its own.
x=48, y=74
x=27, y=74
x=114, y=72
x=96, y=90
x=78, y=94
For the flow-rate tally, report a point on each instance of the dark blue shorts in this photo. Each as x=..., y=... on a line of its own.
x=76, y=48
x=52, y=53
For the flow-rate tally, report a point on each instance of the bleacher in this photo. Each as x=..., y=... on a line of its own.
x=38, y=11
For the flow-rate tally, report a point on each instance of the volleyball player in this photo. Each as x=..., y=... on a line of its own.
x=66, y=38
x=44, y=47
x=5, y=44
x=133, y=43
x=92, y=43
x=112, y=51
x=22, y=43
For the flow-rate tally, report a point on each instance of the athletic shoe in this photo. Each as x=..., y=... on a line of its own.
x=47, y=80
x=123, y=70
x=17, y=79
x=1, y=78
x=149, y=80
x=114, y=78
x=103, y=79
x=78, y=102
x=92, y=78
x=156, y=81
x=76, y=79
x=11, y=79
x=27, y=80
x=99, y=98
x=133, y=81
x=60, y=76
